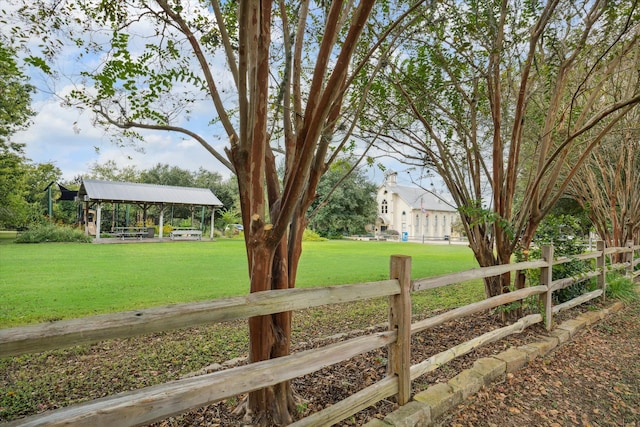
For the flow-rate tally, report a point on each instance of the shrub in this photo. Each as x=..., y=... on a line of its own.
x=312, y=236
x=166, y=229
x=560, y=231
x=334, y=235
x=621, y=287
x=52, y=233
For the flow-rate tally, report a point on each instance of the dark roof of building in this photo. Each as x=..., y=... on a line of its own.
x=133, y=192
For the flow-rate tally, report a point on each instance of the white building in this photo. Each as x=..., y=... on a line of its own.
x=412, y=210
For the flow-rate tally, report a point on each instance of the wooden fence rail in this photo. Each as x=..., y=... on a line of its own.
x=158, y=402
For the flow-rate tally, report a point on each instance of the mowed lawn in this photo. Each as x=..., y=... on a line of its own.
x=46, y=282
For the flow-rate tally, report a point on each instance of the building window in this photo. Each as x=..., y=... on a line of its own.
x=385, y=207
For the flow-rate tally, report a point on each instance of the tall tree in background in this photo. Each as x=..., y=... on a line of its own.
x=38, y=177
x=505, y=100
x=164, y=174
x=15, y=112
x=346, y=203
x=608, y=186
x=226, y=190
x=110, y=171
x=15, y=99
x=279, y=94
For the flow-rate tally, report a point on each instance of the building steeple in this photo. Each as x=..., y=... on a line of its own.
x=391, y=177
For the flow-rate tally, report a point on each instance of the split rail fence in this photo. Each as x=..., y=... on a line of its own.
x=157, y=402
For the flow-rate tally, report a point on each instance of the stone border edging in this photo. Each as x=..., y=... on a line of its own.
x=430, y=404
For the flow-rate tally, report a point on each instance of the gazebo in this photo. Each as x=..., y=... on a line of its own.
x=95, y=192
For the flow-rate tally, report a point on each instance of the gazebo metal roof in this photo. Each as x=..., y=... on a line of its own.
x=132, y=192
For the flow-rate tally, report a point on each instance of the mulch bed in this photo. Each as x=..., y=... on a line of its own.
x=334, y=383
x=593, y=380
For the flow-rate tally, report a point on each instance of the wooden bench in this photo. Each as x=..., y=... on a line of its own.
x=131, y=232
x=185, y=232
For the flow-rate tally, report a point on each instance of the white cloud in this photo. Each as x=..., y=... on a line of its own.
x=68, y=139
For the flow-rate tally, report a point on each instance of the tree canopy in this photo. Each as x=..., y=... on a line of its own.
x=608, y=187
x=15, y=111
x=15, y=99
x=345, y=204
x=505, y=101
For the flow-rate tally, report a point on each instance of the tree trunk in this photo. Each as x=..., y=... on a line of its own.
x=269, y=335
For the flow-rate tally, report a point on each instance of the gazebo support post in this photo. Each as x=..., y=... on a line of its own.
x=98, y=219
x=213, y=214
x=161, y=223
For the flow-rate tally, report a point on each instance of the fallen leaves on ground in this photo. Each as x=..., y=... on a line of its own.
x=593, y=380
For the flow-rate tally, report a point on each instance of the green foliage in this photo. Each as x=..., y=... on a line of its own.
x=621, y=287
x=345, y=209
x=166, y=229
x=225, y=190
x=14, y=208
x=311, y=236
x=26, y=199
x=228, y=217
x=564, y=233
x=15, y=99
x=185, y=223
x=110, y=171
x=39, y=176
x=571, y=208
x=52, y=233
x=231, y=232
x=15, y=111
x=476, y=215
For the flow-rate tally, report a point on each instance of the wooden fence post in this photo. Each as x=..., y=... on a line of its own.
x=399, y=362
x=600, y=267
x=546, y=278
x=629, y=258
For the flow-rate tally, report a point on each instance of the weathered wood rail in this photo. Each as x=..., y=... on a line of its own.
x=160, y=401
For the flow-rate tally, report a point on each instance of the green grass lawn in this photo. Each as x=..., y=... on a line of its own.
x=45, y=282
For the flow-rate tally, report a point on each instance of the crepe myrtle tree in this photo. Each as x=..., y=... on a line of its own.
x=274, y=75
x=505, y=100
x=608, y=187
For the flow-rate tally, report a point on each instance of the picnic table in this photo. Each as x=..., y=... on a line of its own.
x=131, y=232
x=185, y=232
